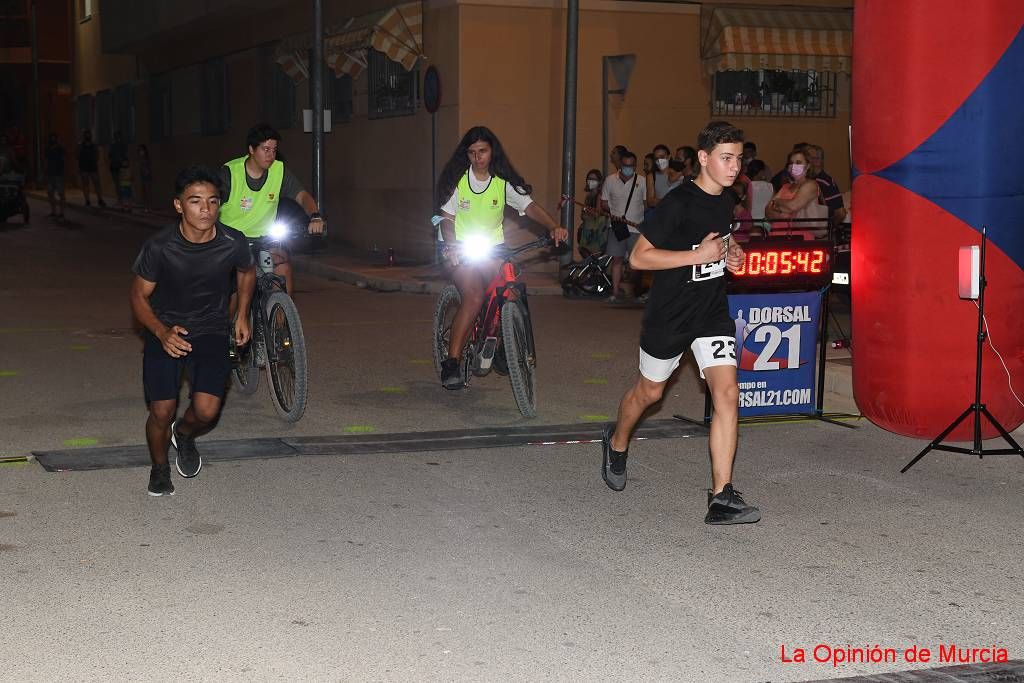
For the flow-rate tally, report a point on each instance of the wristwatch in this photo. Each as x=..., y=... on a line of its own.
x=315, y=216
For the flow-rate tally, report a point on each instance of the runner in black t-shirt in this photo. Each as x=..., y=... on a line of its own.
x=686, y=244
x=183, y=280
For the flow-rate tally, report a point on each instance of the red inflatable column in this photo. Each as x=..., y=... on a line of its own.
x=938, y=131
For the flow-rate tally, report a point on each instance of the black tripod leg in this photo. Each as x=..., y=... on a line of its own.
x=938, y=439
x=1002, y=431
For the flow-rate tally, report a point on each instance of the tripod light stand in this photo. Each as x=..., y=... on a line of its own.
x=977, y=408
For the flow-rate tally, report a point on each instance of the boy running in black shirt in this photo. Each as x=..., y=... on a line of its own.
x=686, y=244
x=180, y=295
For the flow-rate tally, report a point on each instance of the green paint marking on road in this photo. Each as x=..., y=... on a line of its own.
x=85, y=441
x=394, y=390
x=601, y=356
x=359, y=429
x=594, y=418
x=419, y=361
x=595, y=380
x=8, y=373
x=80, y=347
x=11, y=459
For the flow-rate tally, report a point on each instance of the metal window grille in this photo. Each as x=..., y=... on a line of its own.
x=340, y=98
x=160, y=107
x=774, y=93
x=215, y=112
x=393, y=91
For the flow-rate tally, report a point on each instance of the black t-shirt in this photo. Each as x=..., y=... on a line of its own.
x=290, y=185
x=193, y=280
x=690, y=299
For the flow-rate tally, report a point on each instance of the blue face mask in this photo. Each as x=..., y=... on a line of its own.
x=628, y=171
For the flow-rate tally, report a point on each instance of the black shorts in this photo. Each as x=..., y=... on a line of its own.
x=207, y=365
x=662, y=343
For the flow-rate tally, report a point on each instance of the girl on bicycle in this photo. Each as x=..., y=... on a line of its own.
x=472, y=192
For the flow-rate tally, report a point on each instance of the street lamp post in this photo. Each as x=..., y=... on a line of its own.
x=316, y=79
x=569, y=122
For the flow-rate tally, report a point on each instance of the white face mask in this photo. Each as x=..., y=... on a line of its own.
x=797, y=170
x=592, y=183
x=662, y=164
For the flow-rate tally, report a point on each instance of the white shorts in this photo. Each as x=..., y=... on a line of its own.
x=707, y=351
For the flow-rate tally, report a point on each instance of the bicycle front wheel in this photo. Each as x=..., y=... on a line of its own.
x=286, y=357
x=448, y=303
x=245, y=372
x=515, y=336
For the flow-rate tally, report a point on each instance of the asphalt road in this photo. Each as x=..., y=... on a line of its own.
x=496, y=564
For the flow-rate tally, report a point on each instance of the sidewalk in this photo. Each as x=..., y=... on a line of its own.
x=334, y=261
x=329, y=259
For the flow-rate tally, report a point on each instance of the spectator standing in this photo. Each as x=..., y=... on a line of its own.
x=593, y=231
x=657, y=179
x=55, y=177
x=622, y=196
x=831, y=195
x=124, y=186
x=799, y=199
x=117, y=154
x=88, y=168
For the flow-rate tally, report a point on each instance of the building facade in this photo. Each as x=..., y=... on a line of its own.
x=189, y=78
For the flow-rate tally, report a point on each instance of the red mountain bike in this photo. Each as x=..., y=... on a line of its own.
x=502, y=336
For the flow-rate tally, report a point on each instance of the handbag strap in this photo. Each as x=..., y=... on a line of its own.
x=630, y=197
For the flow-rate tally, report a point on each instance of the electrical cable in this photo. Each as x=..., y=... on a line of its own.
x=1009, y=379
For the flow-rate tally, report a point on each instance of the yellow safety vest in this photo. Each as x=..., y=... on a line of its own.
x=480, y=213
x=249, y=211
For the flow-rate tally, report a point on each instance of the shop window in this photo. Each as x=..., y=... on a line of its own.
x=160, y=107
x=84, y=114
x=124, y=112
x=104, y=118
x=215, y=114
x=392, y=89
x=277, y=92
x=774, y=93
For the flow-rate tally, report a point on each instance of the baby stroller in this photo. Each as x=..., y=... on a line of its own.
x=589, y=277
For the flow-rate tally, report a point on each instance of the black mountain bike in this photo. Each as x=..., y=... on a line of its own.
x=502, y=336
x=277, y=343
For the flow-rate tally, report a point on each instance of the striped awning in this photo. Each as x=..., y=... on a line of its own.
x=734, y=38
x=397, y=32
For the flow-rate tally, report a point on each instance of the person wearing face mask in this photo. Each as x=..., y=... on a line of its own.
x=657, y=179
x=799, y=198
x=622, y=197
x=783, y=177
x=254, y=186
x=593, y=230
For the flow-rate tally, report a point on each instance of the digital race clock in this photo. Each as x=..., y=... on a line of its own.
x=784, y=264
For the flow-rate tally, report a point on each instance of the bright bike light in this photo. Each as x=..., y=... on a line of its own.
x=476, y=248
x=278, y=231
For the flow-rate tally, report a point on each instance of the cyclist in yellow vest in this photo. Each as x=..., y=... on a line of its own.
x=254, y=185
x=472, y=192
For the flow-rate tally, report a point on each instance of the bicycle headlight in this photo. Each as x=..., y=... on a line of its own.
x=278, y=231
x=476, y=248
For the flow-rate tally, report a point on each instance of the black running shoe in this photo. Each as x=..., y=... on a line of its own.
x=500, y=363
x=613, y=465
x=160, y=481
x=188, y=461
x=451, y=374
x=728, y=507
